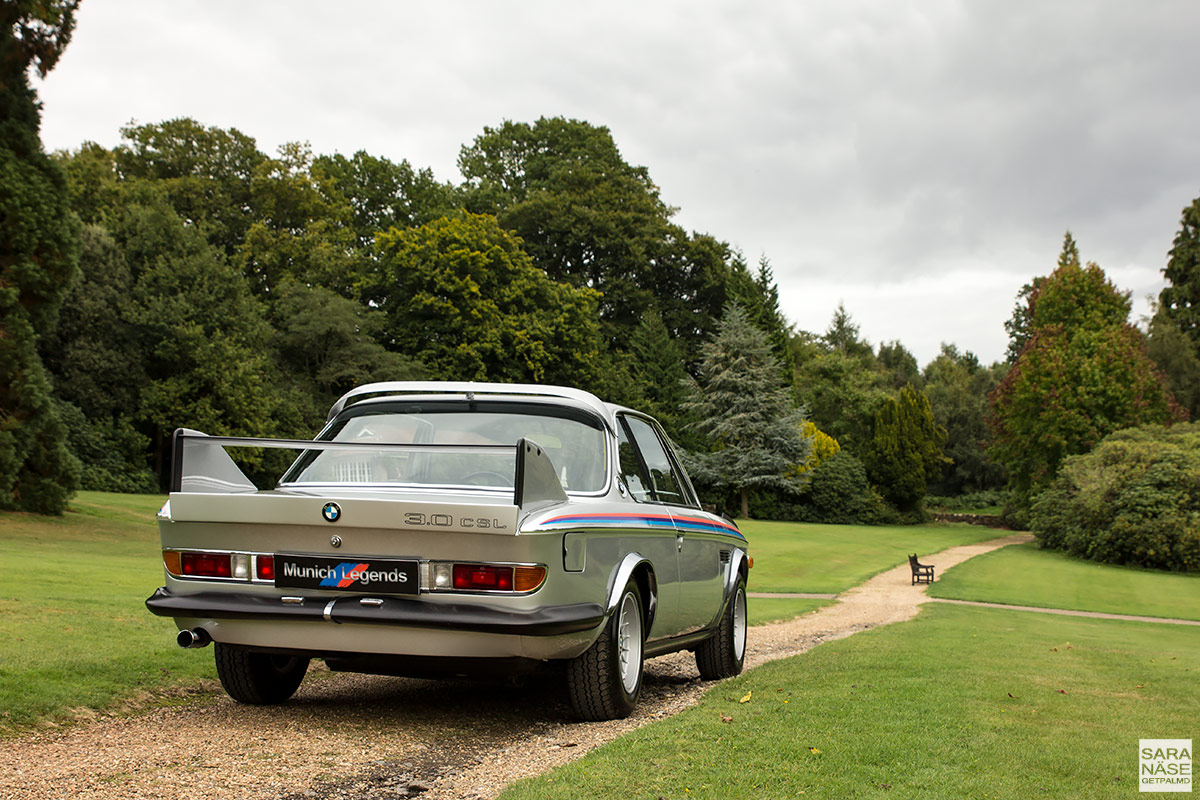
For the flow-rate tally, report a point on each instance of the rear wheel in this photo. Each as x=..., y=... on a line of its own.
x=258, y=678
x=604, y=682
x=722, y=655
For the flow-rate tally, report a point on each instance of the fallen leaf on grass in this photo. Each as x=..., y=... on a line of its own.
x=885, y=786
x=815, y=750
x=746, y=697
x=1140, y=686
x=1013, y=696
x=726, y=718
x=1063, y=691
x=1053, y=649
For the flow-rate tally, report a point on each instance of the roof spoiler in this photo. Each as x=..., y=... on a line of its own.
x=470, y=389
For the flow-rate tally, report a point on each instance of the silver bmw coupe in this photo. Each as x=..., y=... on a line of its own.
x=453, y=529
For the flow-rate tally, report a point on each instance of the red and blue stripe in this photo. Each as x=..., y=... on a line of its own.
x=650, y=520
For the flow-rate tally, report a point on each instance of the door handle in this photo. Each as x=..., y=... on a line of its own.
x=679, y=542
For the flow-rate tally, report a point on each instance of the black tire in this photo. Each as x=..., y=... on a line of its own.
x=258, y=679
x=723, y=654
x=605, y=682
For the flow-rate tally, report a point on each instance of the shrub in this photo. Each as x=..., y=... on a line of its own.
x=840, y=493
x=969, y=500
x=1135, y=499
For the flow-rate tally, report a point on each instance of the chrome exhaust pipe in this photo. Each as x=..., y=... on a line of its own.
x=197, y=637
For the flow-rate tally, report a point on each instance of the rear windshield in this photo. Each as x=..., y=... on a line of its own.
x=575, y=447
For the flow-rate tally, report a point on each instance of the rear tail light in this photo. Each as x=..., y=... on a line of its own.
x=483, y=577
x=206, y=565
x=508, y=578
x=221, y=566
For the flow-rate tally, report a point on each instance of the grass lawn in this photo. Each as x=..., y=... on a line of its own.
x=1024, y=575
x=761, y=610
x=798, y=557
x=74, y=632
x=960, y=702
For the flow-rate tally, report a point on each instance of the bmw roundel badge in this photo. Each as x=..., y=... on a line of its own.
x=332, y=512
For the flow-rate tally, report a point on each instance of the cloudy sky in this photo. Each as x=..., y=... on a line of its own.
x=917, y=161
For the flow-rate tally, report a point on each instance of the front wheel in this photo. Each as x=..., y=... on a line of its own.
x=604, y=682
x=258, y=678
x=722, y=654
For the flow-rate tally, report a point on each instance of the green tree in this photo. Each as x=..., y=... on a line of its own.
x=206, y=174
x=747, y=411
x=843, y=336
x=1082, y=374
x=591, y=220
x=95, y=360
x=1180, y=298
x=958, y=387
x=38, y=255
x=657, y=381
x=382, y=194
x=898, y=365
x=297, y=232
x=328, y=345
x=1020, y=325
x=905, y=451
x=758, y=294
x=839, y=381
x=462, y=296
x=1175, y=355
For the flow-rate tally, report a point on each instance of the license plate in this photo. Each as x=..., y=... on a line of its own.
x=375, y=575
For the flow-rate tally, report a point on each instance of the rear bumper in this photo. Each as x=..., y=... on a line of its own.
x=391, y=611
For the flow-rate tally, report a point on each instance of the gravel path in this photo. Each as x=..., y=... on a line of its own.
x=364, y=737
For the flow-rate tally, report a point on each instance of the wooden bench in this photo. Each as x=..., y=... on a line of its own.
x=921, y=573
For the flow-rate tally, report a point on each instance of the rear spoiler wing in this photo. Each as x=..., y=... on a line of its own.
x=199, y=463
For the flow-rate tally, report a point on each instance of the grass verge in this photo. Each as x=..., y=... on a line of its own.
x=1025, y=575
x=798, y=557
x=761, y=610
x=960, y=702
x=74, y=633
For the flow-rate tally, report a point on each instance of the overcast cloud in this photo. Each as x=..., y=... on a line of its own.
x=918, y=161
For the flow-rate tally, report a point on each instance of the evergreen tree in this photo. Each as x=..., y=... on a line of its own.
x=38, y=255
x=747, y=411
x=660, y=379
x=906, y=449
x=758, y=295
x=1180, y=299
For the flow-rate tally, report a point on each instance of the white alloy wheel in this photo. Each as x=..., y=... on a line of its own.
x=739, y=624
x=723, y=654
x=629, y=642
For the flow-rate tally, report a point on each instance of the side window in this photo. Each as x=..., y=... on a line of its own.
x=631, y=467
x=664, y=480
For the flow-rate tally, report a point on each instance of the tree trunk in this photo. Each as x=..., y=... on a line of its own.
x=745, y=504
